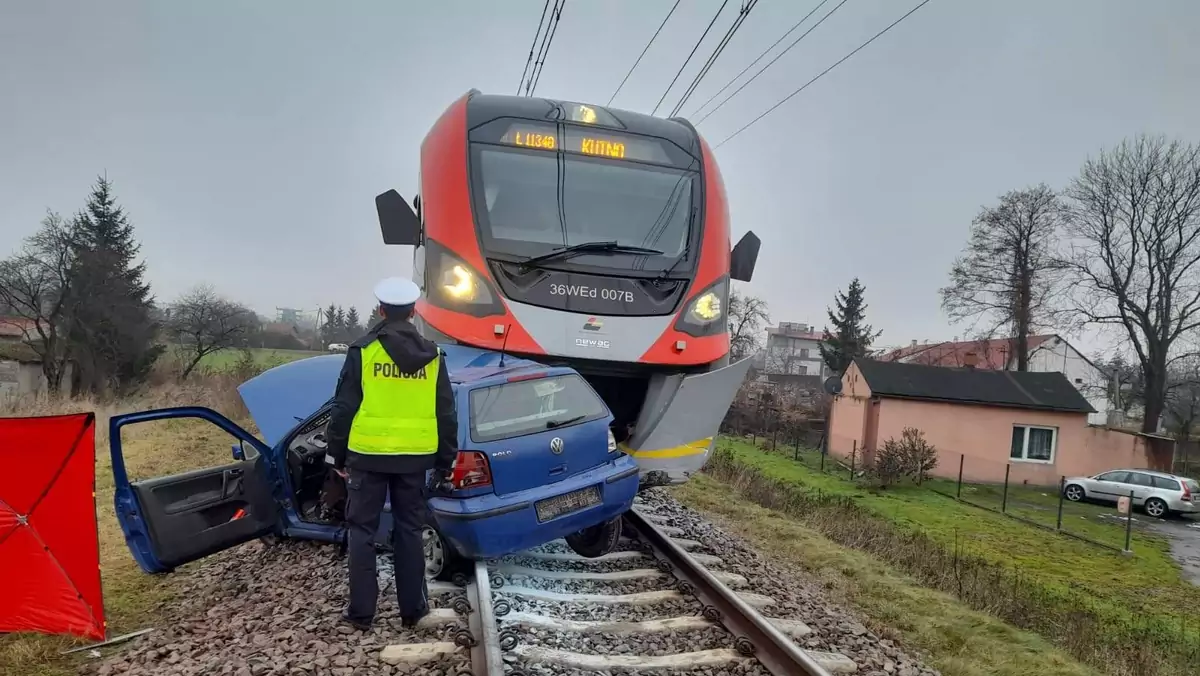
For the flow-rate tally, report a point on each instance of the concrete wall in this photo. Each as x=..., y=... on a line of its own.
x=23, y=379
x=847, y=421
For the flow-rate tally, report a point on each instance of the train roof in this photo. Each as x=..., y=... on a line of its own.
x=483, y=108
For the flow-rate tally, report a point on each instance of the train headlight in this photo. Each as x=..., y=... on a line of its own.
x=457, y=286
x=460, y=283
x=705, y=314
x=706, y=308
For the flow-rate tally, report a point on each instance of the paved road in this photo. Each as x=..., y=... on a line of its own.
x=1184, y=536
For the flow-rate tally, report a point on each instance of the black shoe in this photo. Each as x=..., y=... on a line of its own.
x=357, y=624
x=411, y=621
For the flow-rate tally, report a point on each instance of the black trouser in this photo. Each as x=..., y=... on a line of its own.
x=364, y=503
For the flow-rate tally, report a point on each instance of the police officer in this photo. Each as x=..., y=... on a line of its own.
x=393, y=420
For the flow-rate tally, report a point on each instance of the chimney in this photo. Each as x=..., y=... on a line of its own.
x=914, y=343
x=970, y=359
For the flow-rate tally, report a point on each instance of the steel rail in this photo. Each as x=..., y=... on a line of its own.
x=486, y=659
x=755, y=635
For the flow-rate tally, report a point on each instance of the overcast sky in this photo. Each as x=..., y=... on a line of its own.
x=247, y=140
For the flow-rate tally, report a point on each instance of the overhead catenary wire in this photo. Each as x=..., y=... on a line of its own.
x=772, y=61
x=756, y=60
x=533, y=46
x=639, y=59
x=822, y=73
x=536, y=75
x=716, y=53
x=690, y=55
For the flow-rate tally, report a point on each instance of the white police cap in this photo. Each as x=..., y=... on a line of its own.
x=397, y=291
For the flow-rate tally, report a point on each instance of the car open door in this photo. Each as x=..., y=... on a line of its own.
x=171, y=520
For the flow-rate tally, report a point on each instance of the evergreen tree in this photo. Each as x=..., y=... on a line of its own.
x=111, y=328
x=339, y=324
x=353, y=325
x=851, y=337
x=375, y=318
x=328, y=327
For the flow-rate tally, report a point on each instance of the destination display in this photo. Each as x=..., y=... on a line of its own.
x=586, y=142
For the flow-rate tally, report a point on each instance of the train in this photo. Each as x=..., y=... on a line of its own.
x=584, y=236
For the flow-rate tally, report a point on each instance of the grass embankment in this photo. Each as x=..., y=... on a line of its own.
x=957, y=640
x=1122, y=615
x=231, y=359
x=133, y=600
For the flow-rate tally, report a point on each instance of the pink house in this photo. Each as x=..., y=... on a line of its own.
x=1034, y=425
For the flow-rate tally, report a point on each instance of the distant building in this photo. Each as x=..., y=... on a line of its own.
x=792, y=356
x=20, y=365
x=1047, y=354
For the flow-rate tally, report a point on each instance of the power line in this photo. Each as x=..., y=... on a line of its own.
x=639, y=59
x=712, y=59
x=822, y=74
x=536, y=75
x=693, y=53
x=532, y=46
x=772, y=61
x=760, y=57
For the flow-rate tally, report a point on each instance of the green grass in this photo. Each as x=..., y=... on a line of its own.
x=1126, y=592
x=955, y=639
x=997, y=538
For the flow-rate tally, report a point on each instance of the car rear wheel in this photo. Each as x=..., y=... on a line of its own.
x=1073, y=492
x=1156, y=508
x=441, y=561
x=597, y=540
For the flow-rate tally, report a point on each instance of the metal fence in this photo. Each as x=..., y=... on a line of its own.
x=1026, y=492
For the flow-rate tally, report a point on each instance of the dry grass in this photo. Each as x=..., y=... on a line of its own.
x=133, y=599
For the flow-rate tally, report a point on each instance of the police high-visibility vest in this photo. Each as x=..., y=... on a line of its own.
x=398, y=413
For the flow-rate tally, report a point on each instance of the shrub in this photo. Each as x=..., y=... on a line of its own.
x=911, y=456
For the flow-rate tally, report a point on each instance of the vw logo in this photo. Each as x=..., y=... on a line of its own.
x=556, y=445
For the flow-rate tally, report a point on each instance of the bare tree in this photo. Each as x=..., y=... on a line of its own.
x=1006, y=275
x=203, y=322
x=1183, y=397
x=36, y=285
x=747, y=316
x=1134, y=218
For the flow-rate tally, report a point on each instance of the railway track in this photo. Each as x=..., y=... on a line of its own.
x=652, y=606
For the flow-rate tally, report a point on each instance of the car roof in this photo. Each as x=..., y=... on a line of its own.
x=1151, y=472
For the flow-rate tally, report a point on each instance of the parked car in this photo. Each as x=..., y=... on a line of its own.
x=1159, y=494
x=538, y=462
x=337, y=347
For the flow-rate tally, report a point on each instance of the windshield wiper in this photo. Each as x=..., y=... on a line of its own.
x=590, y=247
x=687, y=249
x=559, y=423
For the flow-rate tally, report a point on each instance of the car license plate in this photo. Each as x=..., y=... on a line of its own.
x=552, y=508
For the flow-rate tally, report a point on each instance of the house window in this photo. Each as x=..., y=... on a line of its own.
x=798, y=369
x=804, y=353
x=1033, y=444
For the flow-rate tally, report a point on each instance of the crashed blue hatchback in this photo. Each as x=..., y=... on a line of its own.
x=538, y=462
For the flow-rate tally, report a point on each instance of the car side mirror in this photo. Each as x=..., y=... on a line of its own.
x=743, y=257
x=238, y=453
x=397, y=220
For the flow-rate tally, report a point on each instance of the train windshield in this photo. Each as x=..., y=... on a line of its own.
x=534, y=202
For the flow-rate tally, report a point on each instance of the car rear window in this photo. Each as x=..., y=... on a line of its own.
x=1166, y=484
x=1193, y=485
x=527, y=406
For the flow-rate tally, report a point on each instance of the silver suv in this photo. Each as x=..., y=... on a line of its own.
x=1158, y=493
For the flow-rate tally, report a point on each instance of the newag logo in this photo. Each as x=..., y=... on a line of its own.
x=390, y=370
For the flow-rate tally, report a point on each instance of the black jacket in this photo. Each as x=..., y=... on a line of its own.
x=410, y=351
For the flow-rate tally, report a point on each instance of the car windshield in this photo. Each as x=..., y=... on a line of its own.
x=528, y=406
x=630, y=203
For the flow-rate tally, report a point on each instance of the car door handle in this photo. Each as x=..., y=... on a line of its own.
x=558, y=470
x=231, y=476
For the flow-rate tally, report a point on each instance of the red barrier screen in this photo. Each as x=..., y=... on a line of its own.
x=49, y=549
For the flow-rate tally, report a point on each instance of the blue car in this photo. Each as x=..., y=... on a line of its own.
x=538, y=461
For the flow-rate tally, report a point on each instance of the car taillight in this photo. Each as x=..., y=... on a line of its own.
x=471, y=470
x=1187, y=493
x=612, y=442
